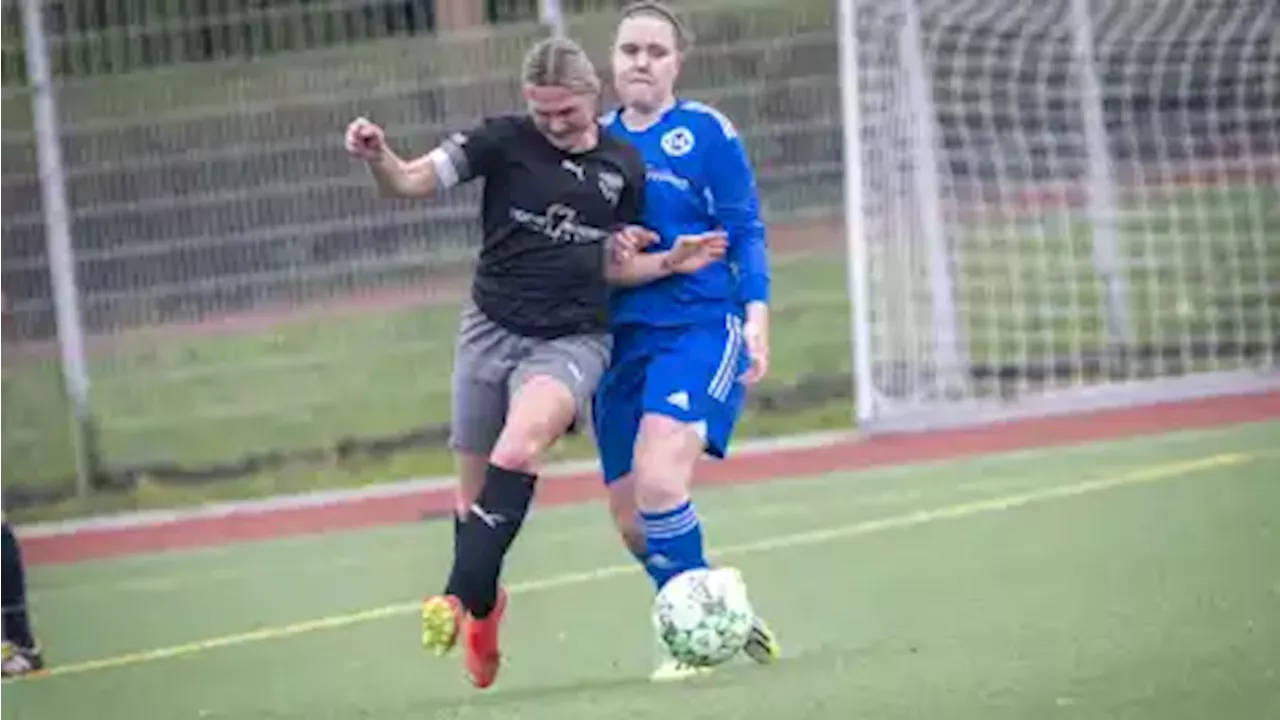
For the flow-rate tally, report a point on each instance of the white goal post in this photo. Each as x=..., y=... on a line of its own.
x=1059, y=205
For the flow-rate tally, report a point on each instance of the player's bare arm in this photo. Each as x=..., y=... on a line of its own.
x=394, y=175
x=689, y=254
x=756, y=334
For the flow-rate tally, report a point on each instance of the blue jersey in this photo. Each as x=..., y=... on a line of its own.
x=697, y=179
x=678, y=346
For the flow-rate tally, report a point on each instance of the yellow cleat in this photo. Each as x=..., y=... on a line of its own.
x=762, y=645
x=18, y=661
x=441, y=617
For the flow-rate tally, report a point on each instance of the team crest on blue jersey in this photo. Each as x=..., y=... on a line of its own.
x=677, y=141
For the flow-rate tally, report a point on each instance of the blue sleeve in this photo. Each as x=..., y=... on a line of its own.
x=737, y=208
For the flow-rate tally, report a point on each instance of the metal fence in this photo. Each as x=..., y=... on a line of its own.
x=247, y=297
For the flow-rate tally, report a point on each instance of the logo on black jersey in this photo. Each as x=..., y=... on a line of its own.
x=610, y=184
x=574, y=168
x=560, y=220
x=560, y=223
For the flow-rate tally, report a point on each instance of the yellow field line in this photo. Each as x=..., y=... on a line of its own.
x=1143, y=475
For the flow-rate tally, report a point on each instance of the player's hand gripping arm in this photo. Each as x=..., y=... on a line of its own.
x=737, y=207
x=629, y=266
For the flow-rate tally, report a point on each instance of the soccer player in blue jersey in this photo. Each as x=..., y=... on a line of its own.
x=685, y=346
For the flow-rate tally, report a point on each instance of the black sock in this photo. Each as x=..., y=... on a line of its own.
x=17, y=626
x=482, y=541
x=454, y=582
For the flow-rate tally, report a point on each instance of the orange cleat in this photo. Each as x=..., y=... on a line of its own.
x=481, y=639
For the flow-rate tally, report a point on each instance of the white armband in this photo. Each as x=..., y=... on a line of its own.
x=446, y=171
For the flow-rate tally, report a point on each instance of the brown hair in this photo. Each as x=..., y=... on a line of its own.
x=560, y=62
x=653, y=8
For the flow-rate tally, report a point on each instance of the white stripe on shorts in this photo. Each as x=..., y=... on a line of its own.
x=726, y=374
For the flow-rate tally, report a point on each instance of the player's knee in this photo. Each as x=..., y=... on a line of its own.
x=541, y=412
x=522, y=443
x=665, y=457
x=517, y=452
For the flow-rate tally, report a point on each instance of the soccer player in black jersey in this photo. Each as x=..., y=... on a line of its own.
x=560, y=212
x=21, y=653
x=18, y=651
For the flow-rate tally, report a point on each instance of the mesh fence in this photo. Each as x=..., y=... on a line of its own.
x=249, y=297
x=251, y=301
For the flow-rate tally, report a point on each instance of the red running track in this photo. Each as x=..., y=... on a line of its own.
x=756, y=467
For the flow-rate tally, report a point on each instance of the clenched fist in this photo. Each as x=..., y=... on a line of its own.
x=365, y=139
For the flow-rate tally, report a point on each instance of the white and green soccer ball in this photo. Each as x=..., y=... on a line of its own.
x=703, y=616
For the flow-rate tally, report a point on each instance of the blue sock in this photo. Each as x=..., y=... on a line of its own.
x=674, y=543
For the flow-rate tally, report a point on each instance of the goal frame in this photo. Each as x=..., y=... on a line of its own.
x=952, y=404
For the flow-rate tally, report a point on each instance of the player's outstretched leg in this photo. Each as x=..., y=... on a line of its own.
x=473, y=603
x=633, y=524
x=21, y=653
x=651, y=431
x=666, y=451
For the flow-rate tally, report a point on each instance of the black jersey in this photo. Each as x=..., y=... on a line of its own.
x=547, y=215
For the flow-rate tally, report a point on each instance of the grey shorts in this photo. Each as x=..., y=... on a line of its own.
x=490, y=363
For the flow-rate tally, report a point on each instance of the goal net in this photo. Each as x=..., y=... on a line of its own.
x=1061, y=204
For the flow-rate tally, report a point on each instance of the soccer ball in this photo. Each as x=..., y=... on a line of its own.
x=703, y=616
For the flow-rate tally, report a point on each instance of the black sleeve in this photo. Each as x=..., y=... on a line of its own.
x=473, y=153
x=631, y=201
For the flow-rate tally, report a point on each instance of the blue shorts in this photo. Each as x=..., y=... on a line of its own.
x=690, y=374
